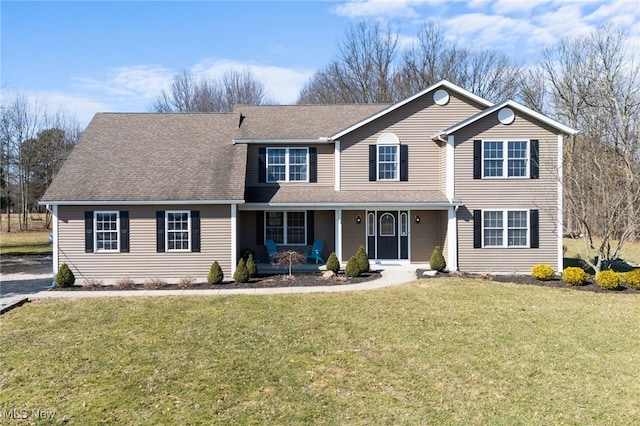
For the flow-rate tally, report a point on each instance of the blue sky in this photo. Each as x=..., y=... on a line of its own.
x=90, y=56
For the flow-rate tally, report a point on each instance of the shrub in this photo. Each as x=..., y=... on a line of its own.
x=632, y=279
x=542, y=272
x=125, y=283
x=92, y=283
x=437, y=262
x=186, y=282
x=353, y=268
x=241, y=275
x=573, y=276
x=362, y=259
x=252, y=267
x=332, y=263
x=608, y=280
x=155, y=283
x=65, y=277
x=215, y=274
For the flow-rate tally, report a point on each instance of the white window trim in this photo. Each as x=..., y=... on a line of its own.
x=287, y=165
x=166, y=230
x=505, y=159
x=397, y=163
x=505, y=228
x=285, y=219
x=95, y=231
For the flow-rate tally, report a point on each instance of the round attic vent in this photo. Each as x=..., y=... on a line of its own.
x=506, y=116
x=441, y=97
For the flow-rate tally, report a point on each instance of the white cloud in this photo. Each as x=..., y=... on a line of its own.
x=381, y=8
x=282, y=84
x=134, y=82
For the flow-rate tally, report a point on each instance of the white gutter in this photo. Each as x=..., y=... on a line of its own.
x=271, y=141
x=333, y=206
x=136, y=203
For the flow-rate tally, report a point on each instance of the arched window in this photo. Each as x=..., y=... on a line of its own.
x=404, y=224
x=387, y=225
x=371, y=224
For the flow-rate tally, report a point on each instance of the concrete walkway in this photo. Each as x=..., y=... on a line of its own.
x=390, y=276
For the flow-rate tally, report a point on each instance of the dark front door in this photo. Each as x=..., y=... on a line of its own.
x=387, y=235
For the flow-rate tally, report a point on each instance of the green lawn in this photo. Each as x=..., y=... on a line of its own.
x=441, y=351
x=630, y=251
x=29, y=242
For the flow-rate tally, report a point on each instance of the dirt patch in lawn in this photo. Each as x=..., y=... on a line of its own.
x=312, y=279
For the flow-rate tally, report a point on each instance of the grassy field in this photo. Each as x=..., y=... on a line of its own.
x=630, y=251
x=30, y=242
x=441, y=351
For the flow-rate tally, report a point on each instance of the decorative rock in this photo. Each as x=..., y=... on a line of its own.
x=328, y=274
x=429, y=273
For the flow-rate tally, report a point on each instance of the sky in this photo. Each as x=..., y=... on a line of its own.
x=85, y=57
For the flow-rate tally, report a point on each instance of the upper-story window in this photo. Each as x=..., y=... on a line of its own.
x=178, y=230
x=287, y=164
x=505, y=159
x=388, y=159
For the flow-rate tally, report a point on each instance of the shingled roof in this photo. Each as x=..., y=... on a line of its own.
x=282, y=122
x=141, y=157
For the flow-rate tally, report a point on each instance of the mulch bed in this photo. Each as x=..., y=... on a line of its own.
x=312, y=279
x=590, y=285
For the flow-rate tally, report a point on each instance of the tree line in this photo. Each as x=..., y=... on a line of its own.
x=589, y=82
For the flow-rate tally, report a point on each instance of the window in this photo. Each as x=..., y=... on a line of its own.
x=371, y=224
x=178, y=226
x=387, y=162
x=512, y=232
x=404, y=224
x=505, y=159
x=387, y=225
x=287, y=164
x=286, y=227
x=107, y=231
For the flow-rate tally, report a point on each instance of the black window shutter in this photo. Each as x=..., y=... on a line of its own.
x=310, y=226
x=477, y=159
x=372, y=163
x=313, y=165
x=477, y=229
x=534, y=154
x=88, y=232
x=160, y=231
x=534, y=230
x=195, y=231
x=124, y=232
x=262, y=165
x=404, y=163
x=260, y=228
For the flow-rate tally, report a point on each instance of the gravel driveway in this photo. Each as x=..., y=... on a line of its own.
x=25, y=274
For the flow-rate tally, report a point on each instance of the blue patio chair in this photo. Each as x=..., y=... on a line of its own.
x=272, y=250
x=316, y=251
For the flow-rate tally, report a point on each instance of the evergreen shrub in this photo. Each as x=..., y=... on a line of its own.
x=215, y=275
x=542, y=272
x=241, y=275
x=65, y=277
x=608, y=280
x=332, y=263
x=632, y=279
x=574, y=276
x=353, y=268
x=437, y=262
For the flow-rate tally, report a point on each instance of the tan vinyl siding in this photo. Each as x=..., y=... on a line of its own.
x=143, y=261
x=325, y=164
x=426, y=235
x=324, y=230
x=414, y=124
x=518, y=194
x=353, y=233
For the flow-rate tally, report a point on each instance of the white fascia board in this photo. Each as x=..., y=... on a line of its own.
x=137, y=203
x=347, y=206
x=441, y=84
x=511, y=104
x=285, y=141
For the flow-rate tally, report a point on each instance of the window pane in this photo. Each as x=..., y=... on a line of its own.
x=295, y=228
x=106, y=236
x=403, y=224
x=517, y=163
x=493, y=158
x=178, y=231
x=276, y=164
x=387, y=162
x=371, y=224
x=517, y=232
x=493, y=229
x=275, y=226
x=387, y=225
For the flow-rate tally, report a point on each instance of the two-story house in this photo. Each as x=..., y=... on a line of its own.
x=164, y=195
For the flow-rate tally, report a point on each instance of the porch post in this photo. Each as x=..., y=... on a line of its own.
x=452, y=237
x=54, y=223
x=234, y=236
x=560, y=220
x=338, y=232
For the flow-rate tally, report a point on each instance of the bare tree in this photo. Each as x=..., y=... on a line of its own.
x=595, y=86
x=362, y=73
x=187, y=94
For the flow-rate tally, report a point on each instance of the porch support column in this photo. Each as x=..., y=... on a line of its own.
x=234, y=236
x=338, y=231
x=450, y=170
x=54, y=223
x=560, y=223
x=452, y=237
